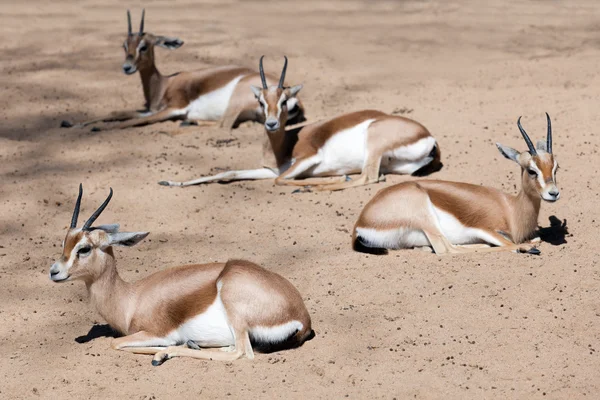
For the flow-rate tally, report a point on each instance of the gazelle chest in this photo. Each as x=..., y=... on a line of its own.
x=212, y=105
x=344, y=152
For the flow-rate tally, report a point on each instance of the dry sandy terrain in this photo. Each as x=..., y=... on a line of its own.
x=406, y=325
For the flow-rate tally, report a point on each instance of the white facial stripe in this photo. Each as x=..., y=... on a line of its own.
x=264, y=103
x=554, y=171
x=82, y=243
x=142, y=44
x=280, y=104
x=540, y=177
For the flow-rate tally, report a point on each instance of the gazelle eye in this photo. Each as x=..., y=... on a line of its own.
x=143, y=48
x=532, y=173
x=84, y=251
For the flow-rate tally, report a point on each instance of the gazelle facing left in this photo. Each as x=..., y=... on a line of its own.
x=445, y=215
x=207, y=95
x=174, y=312
x=368, y=142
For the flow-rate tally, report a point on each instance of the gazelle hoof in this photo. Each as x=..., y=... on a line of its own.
x=66, y=124
x=534, y=251
x=159, y=358
x=95, y=129
x=192, y=345
x=188, y=123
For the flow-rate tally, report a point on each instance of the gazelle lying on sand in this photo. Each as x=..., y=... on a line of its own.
x=228, y=305
x=366, y=142
x=211, y=94
x=444, y=214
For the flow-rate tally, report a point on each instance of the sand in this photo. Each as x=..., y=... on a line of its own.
x=406, y=325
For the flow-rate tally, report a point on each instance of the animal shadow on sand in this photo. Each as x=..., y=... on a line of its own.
x=555, y=233
x=96, y=332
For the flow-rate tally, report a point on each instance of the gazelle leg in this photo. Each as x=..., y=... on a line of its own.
x=370, y=174
x=140, y=343
x=163, y=115
x=301, y=166
x=242, y=347
x=113, y=116
x=247, y=174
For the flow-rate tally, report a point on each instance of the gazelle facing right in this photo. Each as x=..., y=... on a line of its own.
x=445, y=214
x=174, y=312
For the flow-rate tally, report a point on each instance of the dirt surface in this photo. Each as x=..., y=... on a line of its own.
x=406, y=325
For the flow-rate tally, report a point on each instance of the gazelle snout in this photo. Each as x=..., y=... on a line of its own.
x=272, y=124
x=129, y=67
x=551, y=193
x=58, y=272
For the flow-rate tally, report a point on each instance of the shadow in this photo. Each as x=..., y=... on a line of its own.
x=557, y=231
x=434, y=166
x=96, y=332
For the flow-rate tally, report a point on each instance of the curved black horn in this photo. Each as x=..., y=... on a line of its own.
x=549, y=137
x=128, y=22
x=526, y=137
x=282, y=77
x=96, y=214
x=262, y=72
x=77, y=206
x=142, y=23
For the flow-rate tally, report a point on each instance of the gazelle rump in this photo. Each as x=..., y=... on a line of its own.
x=207, y=95
x=367, y=142
x=175, y=312
x=444, y=214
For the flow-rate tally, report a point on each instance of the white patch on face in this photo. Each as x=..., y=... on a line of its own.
x=540, y=177
x=282, y=99
x=554, y=168
x=291, y=104
x=142, y=44
x=265, y=104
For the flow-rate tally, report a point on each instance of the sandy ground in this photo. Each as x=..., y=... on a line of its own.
x=407, y=325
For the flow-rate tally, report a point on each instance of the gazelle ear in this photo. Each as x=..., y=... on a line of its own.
x=108, y=228
x=509, y=152
x=293, y=91
x=541, y=145
x=168, y=43
x=126, y=238
x=256, y=90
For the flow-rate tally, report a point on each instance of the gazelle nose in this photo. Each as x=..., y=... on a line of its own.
x=127, y=68
x=272, y=124
x=53, y=273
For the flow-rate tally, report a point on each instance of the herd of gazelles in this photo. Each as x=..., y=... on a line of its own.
x=220, y=311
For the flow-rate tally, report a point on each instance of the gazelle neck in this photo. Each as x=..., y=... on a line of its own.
x=152, y=82
x=277, y=147
x=526, y=210
x=111, y=295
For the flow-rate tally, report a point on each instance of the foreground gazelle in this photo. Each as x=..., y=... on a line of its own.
x=230, y=305
x=366, y=142
x=444, y=214
x=211, y=94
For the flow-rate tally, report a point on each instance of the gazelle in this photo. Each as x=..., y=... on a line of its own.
x=366, y=142
x=445, y=214
x=211, y=94
x=230, y=305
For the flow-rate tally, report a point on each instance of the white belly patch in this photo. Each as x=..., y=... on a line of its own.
x=212, y=106
x=457, y=233
x=344, y=152
x=209, y=329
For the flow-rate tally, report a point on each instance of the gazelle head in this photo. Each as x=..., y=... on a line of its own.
x=139, y=47
x=87, y=252
x=279, y=104
x=538, y=166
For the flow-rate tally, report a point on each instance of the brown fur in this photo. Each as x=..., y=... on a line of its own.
x=506, y=217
